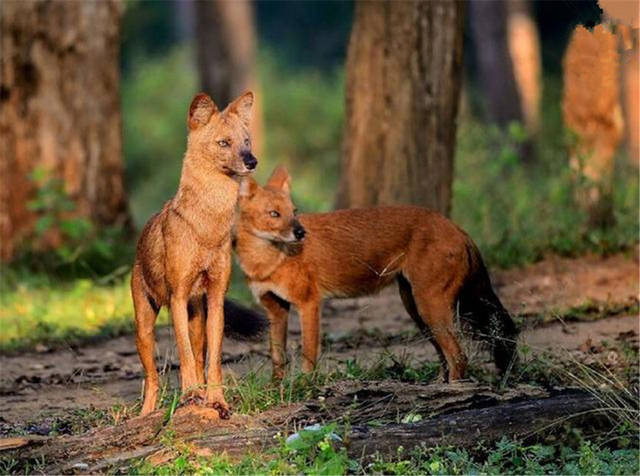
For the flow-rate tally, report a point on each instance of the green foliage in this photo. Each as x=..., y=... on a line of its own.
x=155, y=99
x=84, y=248
x=511, y=457
x=517, y=213
x=303, y=130
x=315, y=451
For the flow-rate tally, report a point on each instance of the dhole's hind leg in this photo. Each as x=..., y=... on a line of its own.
x=434, y=296
x=410, y=305
x=197, y=334
x=145, y=317
x=437, y=311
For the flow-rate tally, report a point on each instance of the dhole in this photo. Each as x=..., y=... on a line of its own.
x=183, y=258
x=301, y=260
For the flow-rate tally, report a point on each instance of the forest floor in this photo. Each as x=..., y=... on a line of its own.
x=583, y=309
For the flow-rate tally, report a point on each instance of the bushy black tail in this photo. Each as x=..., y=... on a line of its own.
x=489, y=320
x=243, y=323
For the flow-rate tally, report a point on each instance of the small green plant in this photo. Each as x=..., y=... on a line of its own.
x=80, y=246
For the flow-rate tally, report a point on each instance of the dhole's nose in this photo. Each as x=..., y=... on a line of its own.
x=249, y=160
x=298, y=231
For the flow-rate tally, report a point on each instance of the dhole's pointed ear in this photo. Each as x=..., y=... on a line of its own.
x=248, y=187
x=280, y=178
x=201, y=109
x=242, y=107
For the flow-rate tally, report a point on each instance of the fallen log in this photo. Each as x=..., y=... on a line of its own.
x=460, y=415
x=466, y=428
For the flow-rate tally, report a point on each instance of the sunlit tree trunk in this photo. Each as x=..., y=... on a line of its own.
x=403, y=75
x=225, y=44
x=60, y=101
x=524, y=49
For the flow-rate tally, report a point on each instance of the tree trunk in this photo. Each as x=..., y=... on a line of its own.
x=497, y=80
x=60, y=101
x=225, y=43
x=524, y=50
x=403, y=75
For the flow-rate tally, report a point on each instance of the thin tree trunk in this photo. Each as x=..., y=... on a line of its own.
x=225, y=44
x=404, y=70
x=60, y=102
x=489, y=31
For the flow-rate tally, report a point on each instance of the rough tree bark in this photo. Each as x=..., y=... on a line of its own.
x=225, y=44
x=60, y=100
x=404, y=70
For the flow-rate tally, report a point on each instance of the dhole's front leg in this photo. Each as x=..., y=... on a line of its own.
x=218, y=278
x=278, y=314
x=180, y=318
x=310, y=319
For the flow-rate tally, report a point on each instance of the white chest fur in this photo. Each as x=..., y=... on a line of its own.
x=259, y=288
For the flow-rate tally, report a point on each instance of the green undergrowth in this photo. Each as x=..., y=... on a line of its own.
x=322, y=451
x=44, y=311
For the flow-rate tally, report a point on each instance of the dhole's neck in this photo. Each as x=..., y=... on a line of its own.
x=257, y=257
x=200, y=180
x=206, y=200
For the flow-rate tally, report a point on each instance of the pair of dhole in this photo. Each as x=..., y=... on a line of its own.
x=184, y=257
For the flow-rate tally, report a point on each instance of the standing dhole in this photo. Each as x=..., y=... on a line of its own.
x=183, y=258
x=301, y=260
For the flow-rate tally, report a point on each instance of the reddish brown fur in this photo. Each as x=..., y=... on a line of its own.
x=358, y=252
x=184, y=252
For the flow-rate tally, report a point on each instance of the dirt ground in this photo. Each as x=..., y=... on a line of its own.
x=36, y=387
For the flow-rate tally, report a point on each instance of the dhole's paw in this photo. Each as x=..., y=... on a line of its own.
x=222, y=408
x=193, y=397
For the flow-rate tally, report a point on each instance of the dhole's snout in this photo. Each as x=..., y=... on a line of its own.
x=298, y=230
x=250, y=162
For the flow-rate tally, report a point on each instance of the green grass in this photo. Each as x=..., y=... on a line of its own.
x=49, y=312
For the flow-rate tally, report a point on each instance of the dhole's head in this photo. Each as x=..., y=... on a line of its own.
x=222, y=137
x=267, y=212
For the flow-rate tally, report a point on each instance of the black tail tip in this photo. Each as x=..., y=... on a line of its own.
x=505, y=352
x=243, y=323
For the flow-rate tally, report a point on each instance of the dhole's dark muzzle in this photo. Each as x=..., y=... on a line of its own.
x=298, y=230
x=249, y=160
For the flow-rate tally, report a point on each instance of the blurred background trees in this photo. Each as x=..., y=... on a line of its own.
x=403, y=77
x=379, y=126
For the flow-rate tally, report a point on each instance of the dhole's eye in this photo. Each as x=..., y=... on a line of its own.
x=246, y=142
x=295, y=211
x=274, y=213
x=223, y=143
